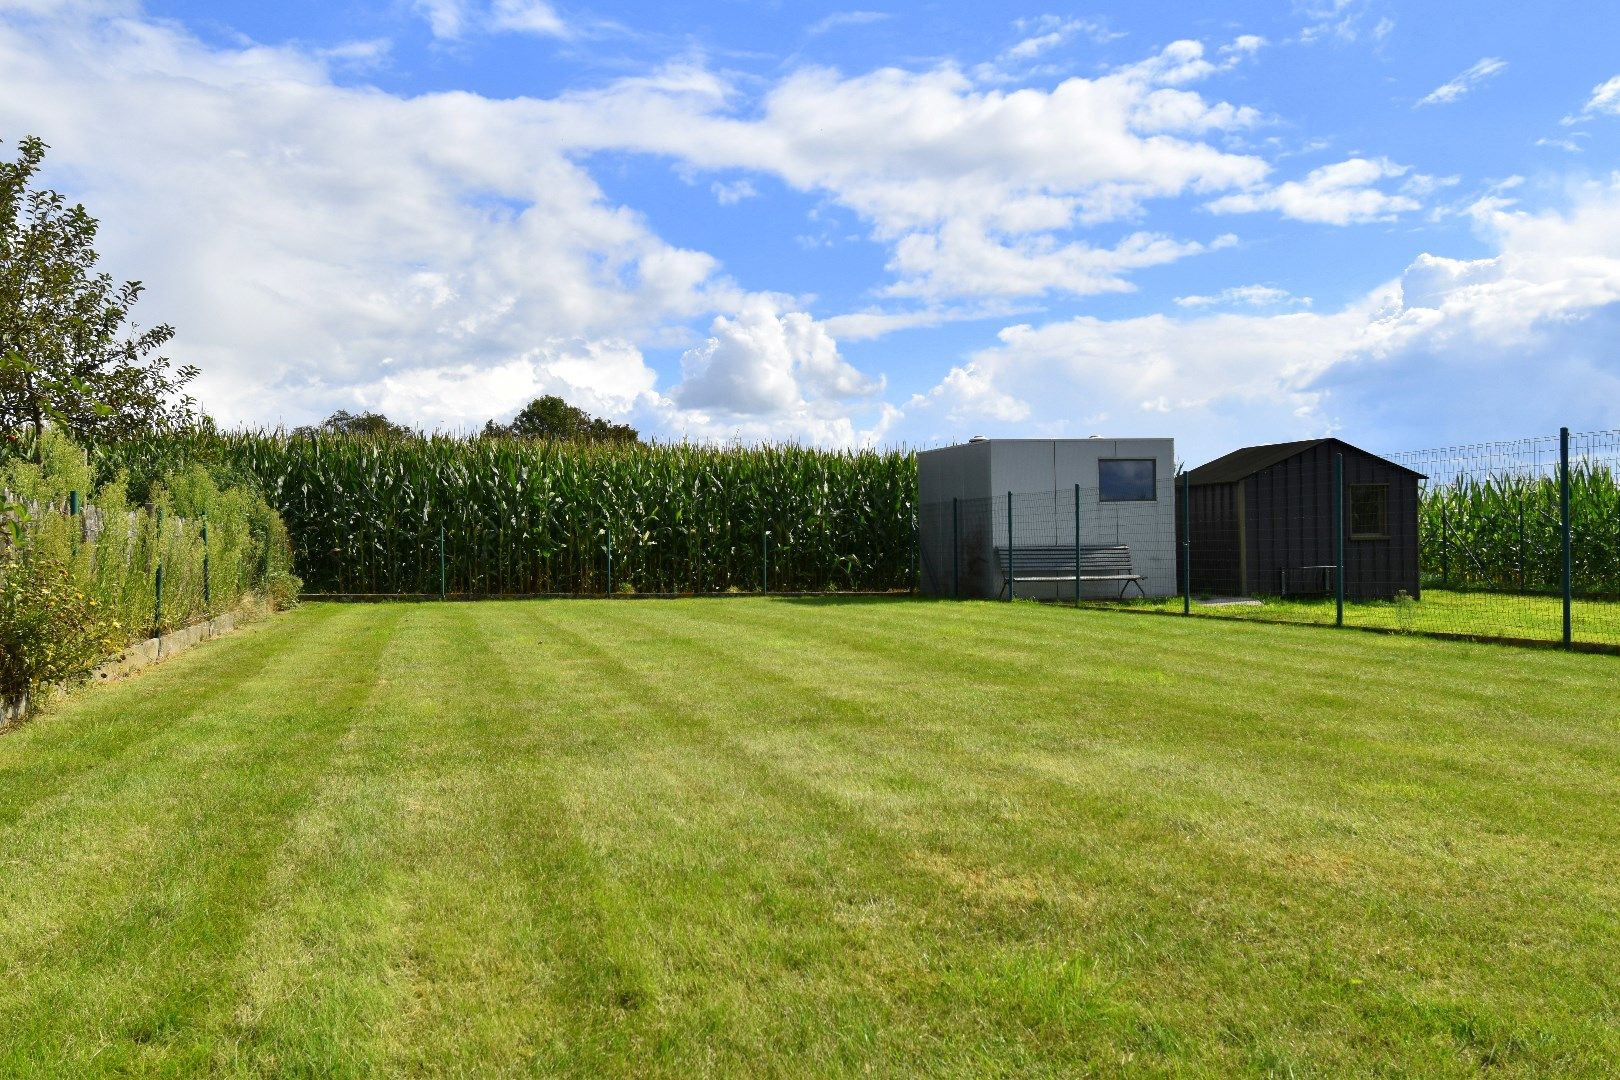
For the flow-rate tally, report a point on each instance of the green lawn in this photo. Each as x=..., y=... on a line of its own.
x=757, y=837
x=1440, y=611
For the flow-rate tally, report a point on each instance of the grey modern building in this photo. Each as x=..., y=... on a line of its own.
x=1126, y=490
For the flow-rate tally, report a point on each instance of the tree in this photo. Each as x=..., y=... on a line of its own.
x=66, y=356
x=344, y=422
x=551, y=417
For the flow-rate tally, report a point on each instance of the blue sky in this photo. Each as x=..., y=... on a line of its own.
x=1229, y=223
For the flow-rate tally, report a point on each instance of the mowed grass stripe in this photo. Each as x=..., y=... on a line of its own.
x=142, y=883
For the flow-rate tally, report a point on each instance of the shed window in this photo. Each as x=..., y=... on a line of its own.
x=1127, y=480
x=1369, y=511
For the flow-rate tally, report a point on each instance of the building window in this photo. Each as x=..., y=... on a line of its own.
x=1127, y=480
x=1369, y=511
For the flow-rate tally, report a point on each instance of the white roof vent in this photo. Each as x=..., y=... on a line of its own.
x=978, y=438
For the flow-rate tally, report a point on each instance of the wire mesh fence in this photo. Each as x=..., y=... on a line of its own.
x=1513, y=541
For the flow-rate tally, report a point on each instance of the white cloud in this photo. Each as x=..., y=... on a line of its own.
x=1246, y=296
x=605, y=377
x=1047, y=32
x=840, y=19
x=961, y=260
x=874, y=323
x=1470, y=339
x=1342, y=20
x=1338, y=194
x=445, y=18
x=732, y=192
x=451, y=19
x=764, y=361
x=1457, y=88
x=527, y=17
x=1605, y=101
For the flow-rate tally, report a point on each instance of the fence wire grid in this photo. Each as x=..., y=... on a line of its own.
x=1462, y=541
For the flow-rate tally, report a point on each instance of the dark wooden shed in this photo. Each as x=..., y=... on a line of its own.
x=1262, y=522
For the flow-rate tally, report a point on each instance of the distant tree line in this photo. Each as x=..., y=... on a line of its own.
x=547, y=418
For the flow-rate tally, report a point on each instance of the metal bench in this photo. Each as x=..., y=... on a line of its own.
x=1056, y=562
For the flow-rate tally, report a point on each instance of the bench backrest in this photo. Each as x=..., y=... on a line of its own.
x=1095, y=560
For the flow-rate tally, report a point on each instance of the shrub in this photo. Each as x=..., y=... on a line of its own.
x=50, y=631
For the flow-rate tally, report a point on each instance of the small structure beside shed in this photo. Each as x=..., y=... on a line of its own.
x=999, y=517
x=1262, y=523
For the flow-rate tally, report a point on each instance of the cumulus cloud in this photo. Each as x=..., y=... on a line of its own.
x=605, y=376
x=304, y=236
x=1486, y=337
x=1340, y=194
x=764, y=361
x=1457, y=88
x=446, y=255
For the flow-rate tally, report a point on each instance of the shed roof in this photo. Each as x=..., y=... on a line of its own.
x=1244, y=463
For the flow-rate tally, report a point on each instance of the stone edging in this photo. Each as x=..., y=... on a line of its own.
x=142, y=654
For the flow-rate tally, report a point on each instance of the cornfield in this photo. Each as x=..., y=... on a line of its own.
x=1503, y=532
x=365, y=515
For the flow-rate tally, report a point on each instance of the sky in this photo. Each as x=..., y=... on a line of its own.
x=895, y=225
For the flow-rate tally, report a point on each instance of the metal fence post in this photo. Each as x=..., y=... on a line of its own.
x=1338, y=539
x=1186, y=543
x=157, y=605
x=1009, y=549
x=1564, y=531
x=956, y=550
x=916, y=548
x=1077, y=545
x=1445, y=543
x=765, y=562
x=208, y=594
x=609, y=534
x=1520, y=559
x=73, y=504
x=441, y=563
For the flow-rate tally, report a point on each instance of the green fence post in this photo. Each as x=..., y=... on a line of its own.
x=1338, y=539
x=1077, y=545
x=157, y=605
x=1521, y=544
x=208, y=593
x=1445, y=543
x=441, y=563
x=765, y=562
x=916, y=548
x=1564, y=539
x=1186, y=543
x=73, y=504
x=1009, y=549
x=956, y=550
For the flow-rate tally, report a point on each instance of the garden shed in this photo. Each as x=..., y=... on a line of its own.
x=1041, y=518
x=1262, y=522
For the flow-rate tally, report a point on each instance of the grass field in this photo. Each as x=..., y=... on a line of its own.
x=1441, y=611
x=758, y=837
